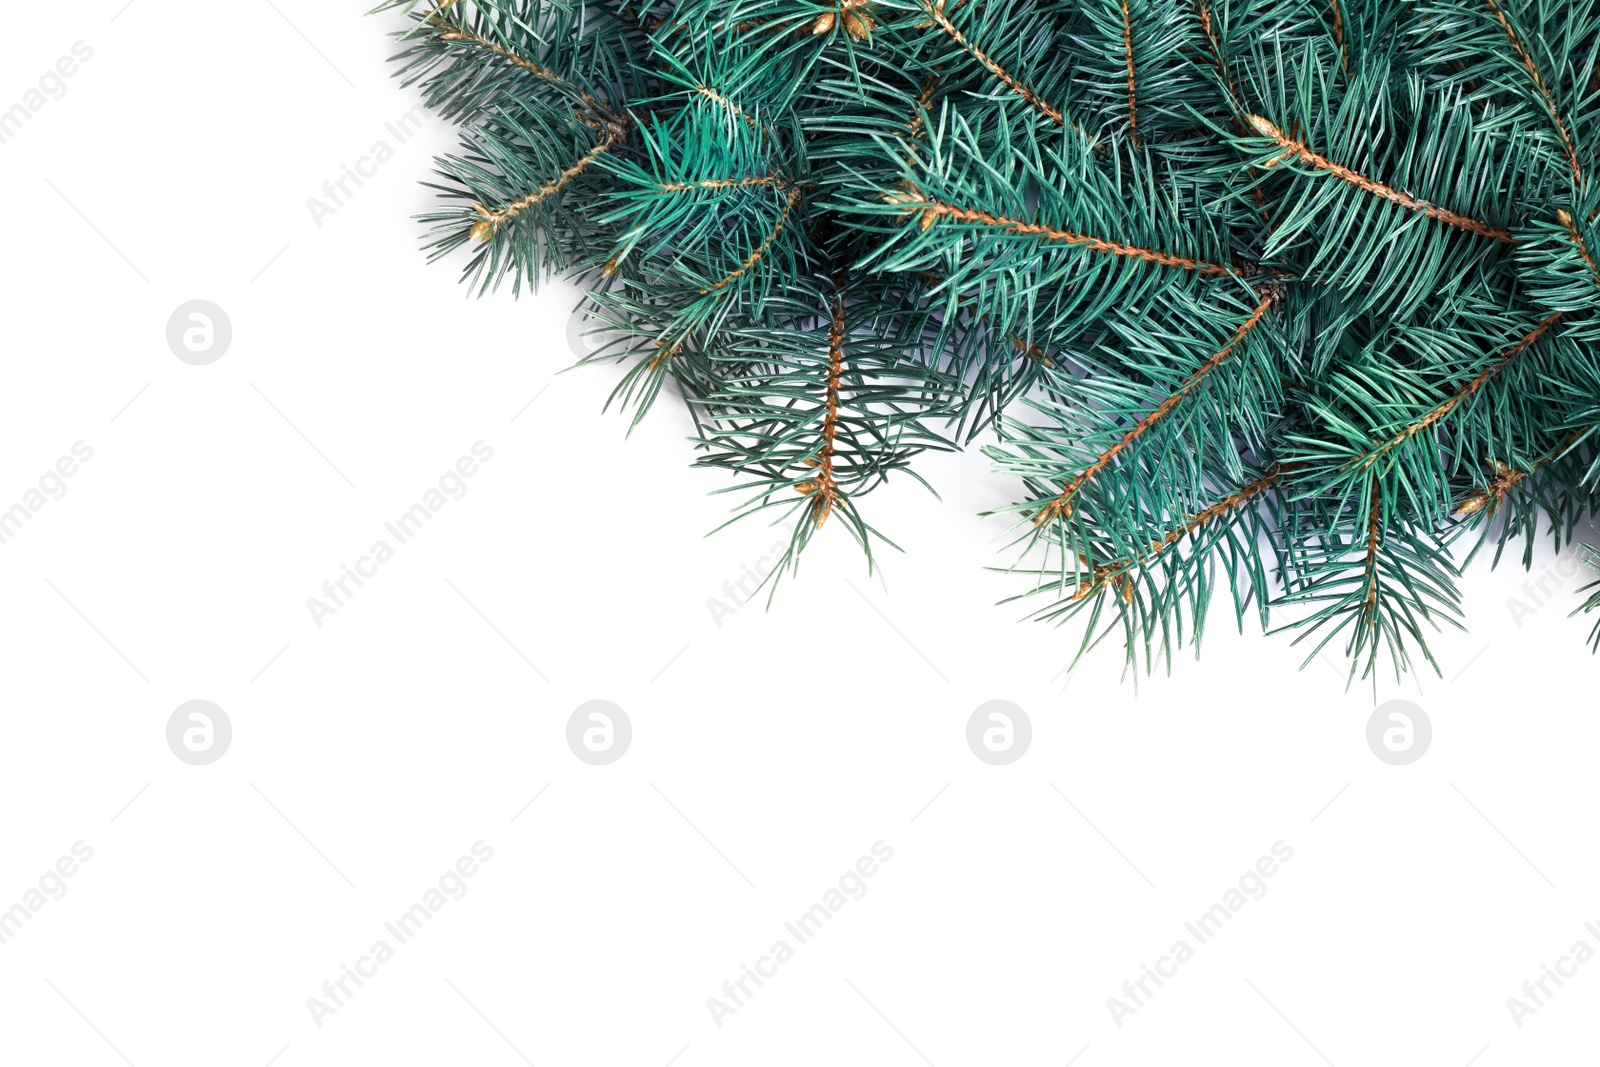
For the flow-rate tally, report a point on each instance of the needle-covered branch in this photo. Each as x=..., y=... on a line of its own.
x=1291, y=299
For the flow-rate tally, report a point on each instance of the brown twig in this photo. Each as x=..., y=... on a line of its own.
x=1298, y=150
x=1107, y=573
x=667, y=352
x=1507, y=478
x=1467, y=391
x=1203, y=10
x=789, y=202
x=1219, y=61
x=717, y=98
x=1525, y=57
x=1062, y=504
x=914, y=128
x=824, y=488
x=1127, y=51
x=725, y=183
x=1338, y=36
x=454, y=31
x=1565, y=218
x=940, y=19
x=489, y=222
x=1374, y=538
x=929, y=211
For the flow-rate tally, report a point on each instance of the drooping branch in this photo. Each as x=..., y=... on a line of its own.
x=1298, y=150
x=1062, y=504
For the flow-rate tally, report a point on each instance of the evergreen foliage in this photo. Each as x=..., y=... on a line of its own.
x=1290, y=298
x=1591, y=556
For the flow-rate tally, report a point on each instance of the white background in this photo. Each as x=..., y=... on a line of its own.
x=769, y=752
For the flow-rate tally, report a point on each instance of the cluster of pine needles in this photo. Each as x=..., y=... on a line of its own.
x=1290, y=299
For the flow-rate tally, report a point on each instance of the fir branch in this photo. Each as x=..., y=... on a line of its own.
x=1106, y=573
x=1226, y=78
x=1565, y=218
x=489, y=222
x=824, y=488
x=1506, y=478
x=728, y=105
x=727, y=183
x=1297, y=150
x=1127, y=51
x=917, y=124
x=1494, y=494
x=1525, y=58
x=1338, y=36
x=790, y=200
x=927, y=211
x=1218, y=60
x=1061, y=506
x=1138, y=333
x=1374, y=539
x=1466, y=392
x=450, y=30
x=935, y=11
x=1558, y=268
